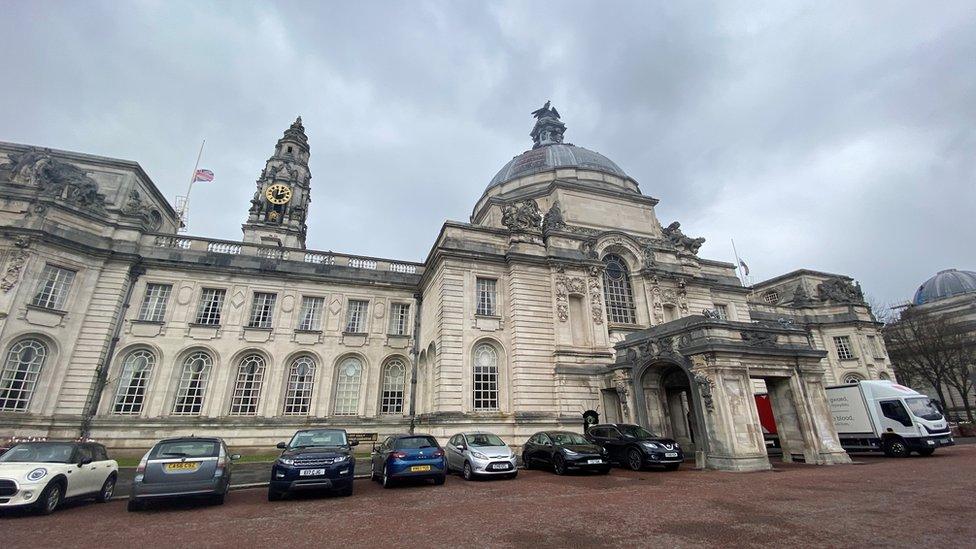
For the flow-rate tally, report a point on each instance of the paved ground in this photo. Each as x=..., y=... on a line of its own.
x=906, y=502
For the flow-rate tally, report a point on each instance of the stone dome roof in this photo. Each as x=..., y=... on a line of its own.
x=947, y=283
x=550, y=157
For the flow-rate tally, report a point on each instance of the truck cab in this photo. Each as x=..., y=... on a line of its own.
x=885, y=416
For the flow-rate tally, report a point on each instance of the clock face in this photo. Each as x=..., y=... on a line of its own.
x=278, y=193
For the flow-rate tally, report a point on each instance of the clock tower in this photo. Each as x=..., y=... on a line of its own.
x=280, y=203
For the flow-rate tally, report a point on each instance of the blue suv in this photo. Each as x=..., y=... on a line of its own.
x=403, y=457
x=315, y=459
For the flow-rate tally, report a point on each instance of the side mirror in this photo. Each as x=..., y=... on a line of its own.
x=281, y=446
x=84, y=461
x=235, y=457
x=353, y=443
x=462, y=448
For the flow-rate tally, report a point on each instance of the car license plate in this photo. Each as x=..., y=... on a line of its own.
x=671, y=455
x=419, y=468
x=182, y=466
x=595, y=461
x=499, y=466
x=311, y=472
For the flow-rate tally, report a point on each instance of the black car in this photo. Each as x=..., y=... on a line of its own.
x=315, y=459
x=564, y=451
x=634, y=447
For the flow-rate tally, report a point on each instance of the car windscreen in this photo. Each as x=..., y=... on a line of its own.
x=481, y=440
x=305, y=439
x=568, y=438
x=413, y=443
x=185, y=449
x=635, y=431
x=923, y=408
x=38, y=452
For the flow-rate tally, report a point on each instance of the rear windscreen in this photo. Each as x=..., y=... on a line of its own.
x=185, y=449
x=412, y=443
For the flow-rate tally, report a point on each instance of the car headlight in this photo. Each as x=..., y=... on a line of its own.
x=340, y=459
x=286, y=461
x=37, y=474
x=478, y=455
x=570, y=452
x=651, y=445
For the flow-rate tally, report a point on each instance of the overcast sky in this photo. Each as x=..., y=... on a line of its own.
x=833, y=136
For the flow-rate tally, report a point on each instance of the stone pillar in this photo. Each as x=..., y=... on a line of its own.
x=784, y=404
x=822, y=444
x=734, y=435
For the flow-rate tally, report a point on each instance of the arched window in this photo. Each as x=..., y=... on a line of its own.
x=616, y=289
x=394, y=376
x=884, y=376
x=136, y=369
x=348, y=378
x=301, y=381
x=852, y=378
x=247, y=390
x=194, y=376
x=485, y=377
x=20, y=372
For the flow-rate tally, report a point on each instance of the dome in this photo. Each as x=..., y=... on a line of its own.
x=550, y=157
x=947, y=283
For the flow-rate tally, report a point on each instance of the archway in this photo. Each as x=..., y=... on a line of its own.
x=669, y=404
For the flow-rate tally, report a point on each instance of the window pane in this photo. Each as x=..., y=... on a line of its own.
x=262, y=310
x=722, y=311
x=843, y=344
x=247, y=390
x=394, y=376
x=301, y=381
x=618, y=294
x=52, y=291
x=485, y=378
x=311, y=313
x=20, y=372
x=347, y=387
x=136, y=369
x=154, y=303
x=356, y=316
x=211, y=302
x=193, y=384
x=399, y=315
x=486, y=297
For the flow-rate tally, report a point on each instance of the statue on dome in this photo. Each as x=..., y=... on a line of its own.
x=546, y=110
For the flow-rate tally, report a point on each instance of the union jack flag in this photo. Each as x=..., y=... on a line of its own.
x=203, y=175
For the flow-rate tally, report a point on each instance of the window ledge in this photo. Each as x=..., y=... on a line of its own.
x=46, y=309
x=623, y=326
x=259, y=328
x=852, y=359
x=354, y=333
x=398, y=335
x=300, y=331
x=153, y=322
x=497, y=317
x=200, y=325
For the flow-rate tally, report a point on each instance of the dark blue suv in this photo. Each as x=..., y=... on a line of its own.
x=315, y=459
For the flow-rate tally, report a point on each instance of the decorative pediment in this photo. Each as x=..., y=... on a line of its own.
x=523, y=216
x=840, y=290
x=54, y=178
x=149, y=217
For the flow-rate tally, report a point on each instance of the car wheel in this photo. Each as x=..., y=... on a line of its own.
x=219, y=499
x=467, y=472
x=635, y=459
x=108, y=488
x=274, y=495
x=926, y=452
x=672, y=466
x=346, y=492
x=559, y=465
x=387, y=481
x=526, y=462
x=372, y=471
x=513, y=475
x=135, y=505
x=440, y=480
x=896, y=447
x=50, y=499
x=605, y=471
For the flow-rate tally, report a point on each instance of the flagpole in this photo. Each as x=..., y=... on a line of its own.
x=738, y=262
x=193, y=177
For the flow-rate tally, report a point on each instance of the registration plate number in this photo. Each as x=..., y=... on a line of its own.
x=311, y=472
x=419, y=468
x=595, y=461
x=182, y=466
x=671, y=455
x=499, y=466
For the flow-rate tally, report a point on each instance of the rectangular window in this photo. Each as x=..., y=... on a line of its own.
x=356, y=316
x=843, y=344
x=211, y=301
x=722, y=311
x=52, y=292
x=486, y=297
x=154, y=303
x=875, y=346
x=399, y=316
x=262, y=309
x=311, y=313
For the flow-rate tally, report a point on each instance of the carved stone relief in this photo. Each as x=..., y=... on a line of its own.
x=149, y=218
x=18, y=258
x=522, y=216
x=596, y=295
x=55, y=178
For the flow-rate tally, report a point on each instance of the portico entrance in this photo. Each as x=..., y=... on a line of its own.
x=668, y=404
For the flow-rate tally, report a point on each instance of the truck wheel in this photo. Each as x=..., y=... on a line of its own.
x=926, y=452
x=896, y=447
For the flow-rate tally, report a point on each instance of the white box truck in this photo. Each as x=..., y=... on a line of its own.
x=884, y=416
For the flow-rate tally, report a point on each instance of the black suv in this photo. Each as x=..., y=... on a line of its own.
x=315, y=459
x=635, y=447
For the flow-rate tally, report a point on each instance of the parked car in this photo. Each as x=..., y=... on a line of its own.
x=635, y=447
x=194, y=467
x=564, y=451
x=44, y=474
x=314, y=459
x=408, y=456
x=480, y=454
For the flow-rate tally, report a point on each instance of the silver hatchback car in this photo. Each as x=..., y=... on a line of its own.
x=480, y=454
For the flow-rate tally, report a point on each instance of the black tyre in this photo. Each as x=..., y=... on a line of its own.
x=513, y=475
x=672, y=466
x=108, y=489
x=467, y=472
x=372, y=472
x=387, y=480
x=635, y=459
x=526, y=462
x=604, y=471
x=440, y=480
x=896, y=447
x=50, y=498
x=559, y=465
x=135, y=505
x=219, y=499
x=274, y=495
x=926, y=452
x=346, y=492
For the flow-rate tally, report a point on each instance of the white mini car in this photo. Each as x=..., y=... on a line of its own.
x=43, y=474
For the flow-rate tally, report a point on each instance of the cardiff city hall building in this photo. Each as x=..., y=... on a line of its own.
x=562, y=294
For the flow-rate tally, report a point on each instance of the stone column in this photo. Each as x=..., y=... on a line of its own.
x=822, y=446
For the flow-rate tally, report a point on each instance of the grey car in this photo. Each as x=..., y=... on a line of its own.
x=177, y=468
x=480, y=454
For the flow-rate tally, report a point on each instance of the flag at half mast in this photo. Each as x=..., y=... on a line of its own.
x=745, y=268
x=203, y=175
